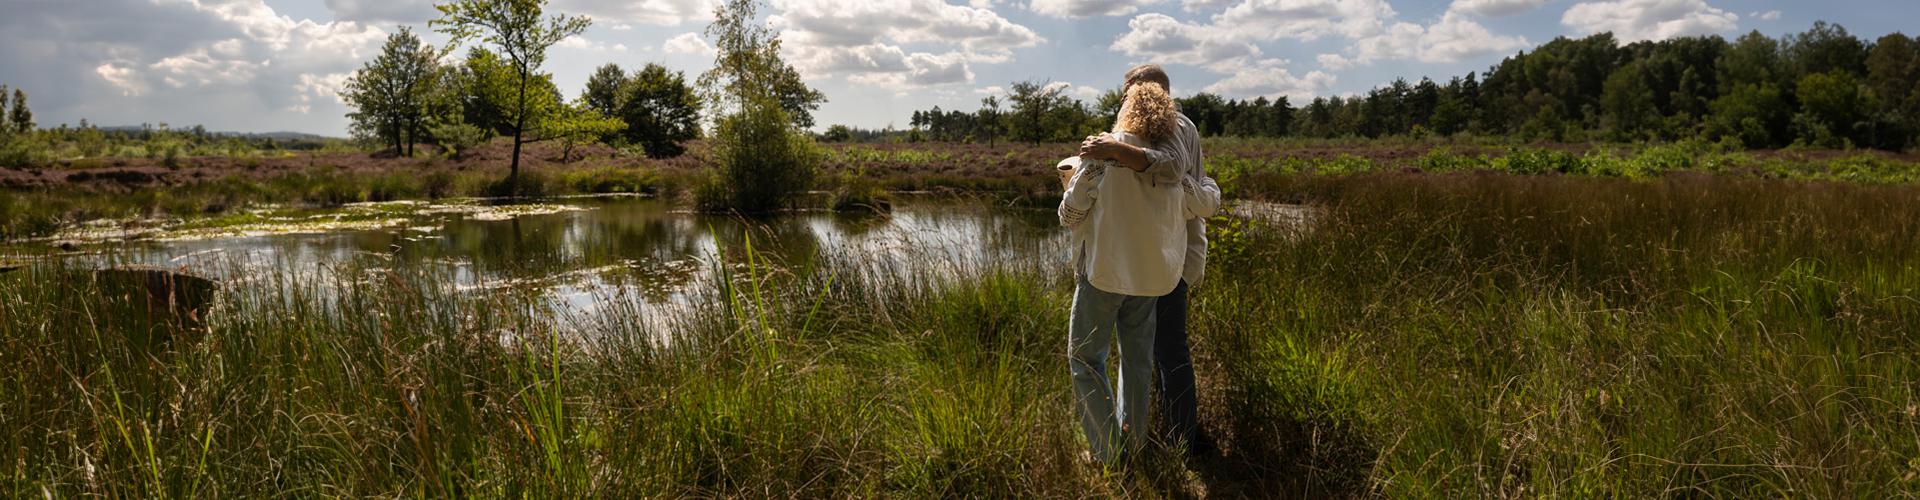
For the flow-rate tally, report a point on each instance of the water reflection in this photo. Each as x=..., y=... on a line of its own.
x=636, y=251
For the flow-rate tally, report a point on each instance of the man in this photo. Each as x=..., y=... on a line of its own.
x=1173, y=359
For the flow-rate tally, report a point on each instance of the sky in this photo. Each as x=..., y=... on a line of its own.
x=277, y=65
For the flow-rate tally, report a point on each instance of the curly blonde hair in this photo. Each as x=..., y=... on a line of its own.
x=1148, y=112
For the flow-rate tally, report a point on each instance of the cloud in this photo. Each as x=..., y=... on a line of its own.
x=230, y=64
x=1160, y=38
x=1771, y=15
x=1087, y=8
x=1201, y=5
x=1272, y=81
x=1453, y=38
x=1081, y=92
x=1335, y=62
x=656, y=12
x=1636, y=20
x=865, y=42
x=578, y=42
x=383, y=11
x=1496, y=8
x=1305, y=20
x=886, y=65
x=122, y=77
x=845, y=24
x=687, y=43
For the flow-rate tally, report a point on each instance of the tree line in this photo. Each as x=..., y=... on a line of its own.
x=1820, y=88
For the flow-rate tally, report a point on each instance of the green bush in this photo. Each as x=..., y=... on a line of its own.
x=762, y=163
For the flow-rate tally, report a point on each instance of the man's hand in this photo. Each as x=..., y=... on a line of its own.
x=1106, y=147
x=1087, y=147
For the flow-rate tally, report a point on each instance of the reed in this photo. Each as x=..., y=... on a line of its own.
x=1424, y=335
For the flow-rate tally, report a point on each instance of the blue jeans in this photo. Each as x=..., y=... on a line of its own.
x=1098, y=317
x=1173, y=360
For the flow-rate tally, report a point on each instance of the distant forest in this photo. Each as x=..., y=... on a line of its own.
x=1822, y=88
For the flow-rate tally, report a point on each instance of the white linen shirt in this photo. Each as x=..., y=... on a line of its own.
x=1181, y=155
x=1129, y=228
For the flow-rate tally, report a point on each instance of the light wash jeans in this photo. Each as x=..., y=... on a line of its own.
x=1098, y=317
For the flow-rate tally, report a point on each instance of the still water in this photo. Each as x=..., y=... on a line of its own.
x=574, y=258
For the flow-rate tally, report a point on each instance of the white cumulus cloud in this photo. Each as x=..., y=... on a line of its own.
x=1087, y=8
x=1496, y=8
x=687, y=43
x=656, y=12
x=1272, y=81
x=1636, y=20
x=866, y=42
x=1160, y=38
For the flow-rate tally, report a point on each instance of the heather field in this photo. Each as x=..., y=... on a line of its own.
x=1399, y=319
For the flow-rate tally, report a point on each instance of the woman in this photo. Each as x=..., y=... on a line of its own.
x=1172, y=361
x=1129, y=247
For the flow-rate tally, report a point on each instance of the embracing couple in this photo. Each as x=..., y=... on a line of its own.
x=1136, y=201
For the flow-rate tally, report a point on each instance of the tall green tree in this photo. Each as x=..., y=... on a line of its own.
x=1893, y=74
x=522, y=33
x=660, y=111
x=1832, y=109
x=1626, y=103
x=603, y=89
x=747, y=66
x=6, y=129
x=391, y=95
x=18, y=115
x=1826, y=48
x=989, y=121
x=762, y=160
x=1031, y=104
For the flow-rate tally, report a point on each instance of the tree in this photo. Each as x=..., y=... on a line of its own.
x=518, y=30
x=1826, y=48
x=390, y=94
x=763, y=160
x=488, y=92
x=1893, y=73
x=1208, y=112
x=18, y=115
x=1830, y=109
x=1753, y=59
x=1626, y=104
x=5, y=129
x=603, y=89
x=573, y=124
x=747, y=66
x=838, y=133
x=989, y=120
x=660, y=111
x=1754, y=113
x=1032, y=103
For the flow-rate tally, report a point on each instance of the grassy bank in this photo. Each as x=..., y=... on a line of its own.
x=1425, y=336
x=852, y=174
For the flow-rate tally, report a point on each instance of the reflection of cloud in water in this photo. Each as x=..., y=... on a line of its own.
x=620, y=257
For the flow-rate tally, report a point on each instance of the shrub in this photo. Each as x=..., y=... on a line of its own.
x=458, y=137
x=762, y=162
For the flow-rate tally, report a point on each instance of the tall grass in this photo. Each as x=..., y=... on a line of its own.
x=1424, y=336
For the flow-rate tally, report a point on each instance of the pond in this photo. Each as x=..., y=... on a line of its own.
x=571, y=254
